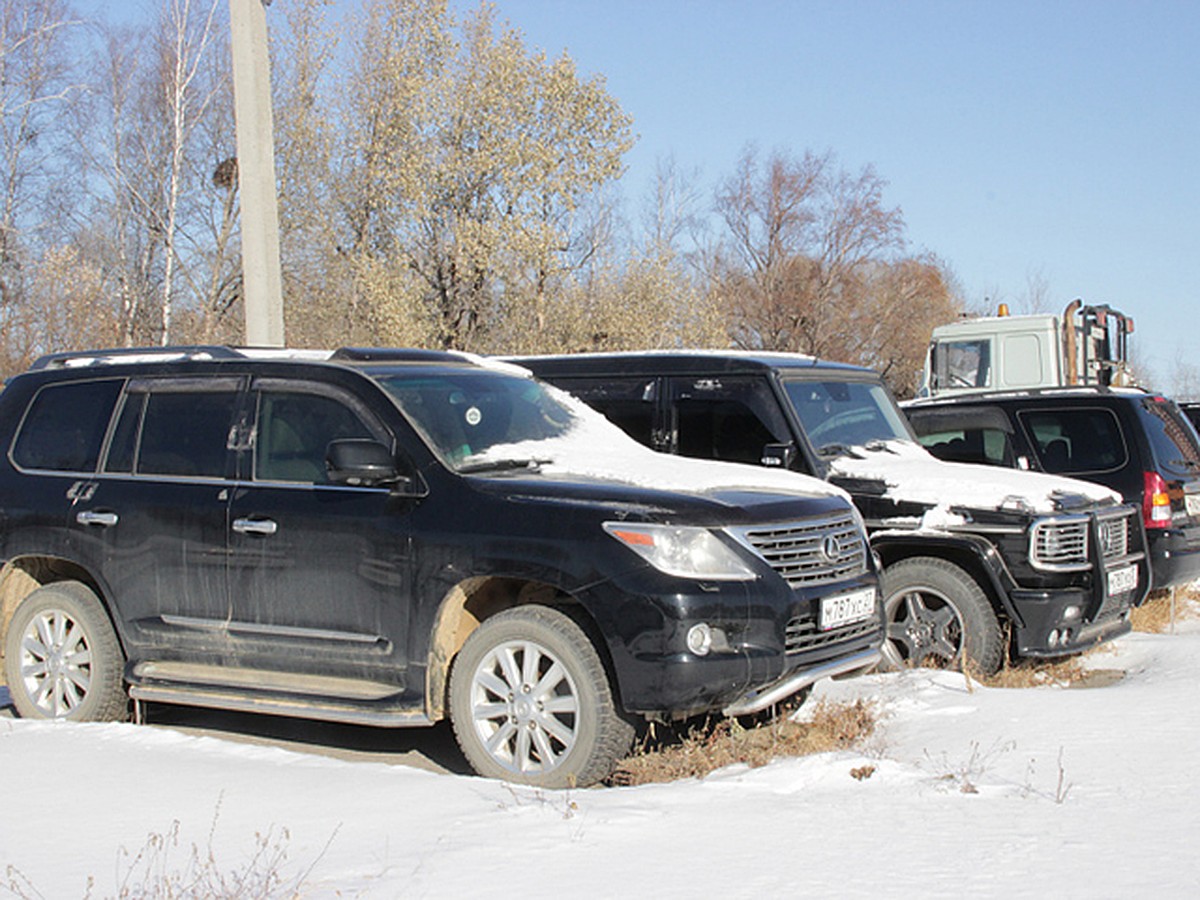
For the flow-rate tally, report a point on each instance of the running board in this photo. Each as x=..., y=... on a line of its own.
x=325, y=699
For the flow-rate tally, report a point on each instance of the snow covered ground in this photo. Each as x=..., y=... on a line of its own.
x=1046, y=792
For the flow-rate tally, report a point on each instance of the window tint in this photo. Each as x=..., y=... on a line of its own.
x=65, y=426
x=294, y=431
x=626, y=402
x=987, y=446
x=726, y=418
x=185, y=433
x=1075, y=441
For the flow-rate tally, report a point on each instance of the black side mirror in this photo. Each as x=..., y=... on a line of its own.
x=363, y=462
x=779, y=456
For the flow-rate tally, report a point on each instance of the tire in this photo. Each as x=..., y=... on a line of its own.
x=530, y=702
x=938, y=614
x=62, y=659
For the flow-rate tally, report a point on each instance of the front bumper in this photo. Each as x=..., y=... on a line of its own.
x=1057, y=622
x=768, y=645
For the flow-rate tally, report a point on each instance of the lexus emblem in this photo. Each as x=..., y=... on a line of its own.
x=831, y=549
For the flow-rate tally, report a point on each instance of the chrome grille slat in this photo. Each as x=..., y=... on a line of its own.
x=802, y=633
x=1064, y=543
x=796, y=550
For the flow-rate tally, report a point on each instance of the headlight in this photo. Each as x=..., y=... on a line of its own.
x=684, y=551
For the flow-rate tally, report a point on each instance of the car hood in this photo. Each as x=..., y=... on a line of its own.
x=611, y=498
x=907, y=473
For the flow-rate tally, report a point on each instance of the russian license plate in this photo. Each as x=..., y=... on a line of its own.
x=1122, y=580
x=846, y=608
x=1191, y=502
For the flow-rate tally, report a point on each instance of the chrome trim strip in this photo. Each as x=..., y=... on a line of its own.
x=759, y=699
x=257, y=628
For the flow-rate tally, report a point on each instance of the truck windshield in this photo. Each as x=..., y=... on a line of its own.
x=838, y=415
x=463, y=414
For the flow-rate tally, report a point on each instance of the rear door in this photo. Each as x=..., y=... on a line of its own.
x=155, y=520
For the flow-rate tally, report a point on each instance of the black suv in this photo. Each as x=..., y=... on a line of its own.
x=396, y=537
x=970, y=553
x=1135, y=442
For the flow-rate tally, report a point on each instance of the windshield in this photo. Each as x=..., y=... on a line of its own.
x=838, y=415
x=466, y=414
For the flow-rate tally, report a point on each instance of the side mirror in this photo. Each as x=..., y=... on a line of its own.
x=778, y=456
x=362, y=462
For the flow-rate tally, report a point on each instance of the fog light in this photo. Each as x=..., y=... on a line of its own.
x=699, y=639
x=1052, y=639
x=1071, y=613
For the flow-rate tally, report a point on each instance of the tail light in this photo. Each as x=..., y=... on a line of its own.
x=1156, y=502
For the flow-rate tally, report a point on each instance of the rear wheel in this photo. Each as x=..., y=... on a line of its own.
x=938, y=615
x=531, y=702
x=62, y=659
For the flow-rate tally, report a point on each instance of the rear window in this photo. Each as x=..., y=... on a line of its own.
x=1076, y=441
x=1172, y=440
x=65, y=426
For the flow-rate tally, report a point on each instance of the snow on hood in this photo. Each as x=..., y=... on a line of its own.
x=594, y=447
x=913, y=474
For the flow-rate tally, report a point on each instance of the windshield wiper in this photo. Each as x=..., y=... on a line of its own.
x=827, y=451
x=503, y=465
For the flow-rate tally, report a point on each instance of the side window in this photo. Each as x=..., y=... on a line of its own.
x=185, y=433
x=963, y=364
x=730, y=419
x=294, y=430
x=987, y=446
x=64, y=428
x=1076, y=441
x=626, y=402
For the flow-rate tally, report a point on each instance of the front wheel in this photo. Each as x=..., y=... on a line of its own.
x=62, y=659
x=937, y=614
x=530, y=702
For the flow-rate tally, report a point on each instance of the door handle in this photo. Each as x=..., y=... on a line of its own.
x=88, y=517
x=255, y=526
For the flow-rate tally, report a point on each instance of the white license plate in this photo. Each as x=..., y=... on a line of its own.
x=1192, y=503
x=846, y=608
x=1122, y=580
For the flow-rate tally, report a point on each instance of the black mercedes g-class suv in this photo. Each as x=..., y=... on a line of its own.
x=978, y=562
x=396, y=537
x=1136, y=442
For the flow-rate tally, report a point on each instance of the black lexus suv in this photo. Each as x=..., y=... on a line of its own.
x=1136, y=442
x=396, y=537
x=978, y=562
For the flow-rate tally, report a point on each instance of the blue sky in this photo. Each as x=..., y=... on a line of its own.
x=1051, y=141
x=1056, y=141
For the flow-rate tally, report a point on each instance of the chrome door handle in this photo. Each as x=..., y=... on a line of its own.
x=96, y=518
x=255, y=526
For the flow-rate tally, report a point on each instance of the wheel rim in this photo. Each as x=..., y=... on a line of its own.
x=56, y=663
x=923, y=627
x=524, y=707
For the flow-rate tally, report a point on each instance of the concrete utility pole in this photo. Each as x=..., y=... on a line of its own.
x=262, y=290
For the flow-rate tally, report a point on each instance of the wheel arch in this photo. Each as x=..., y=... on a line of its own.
x=21, y=576
x=974, y=555
x=473, y=601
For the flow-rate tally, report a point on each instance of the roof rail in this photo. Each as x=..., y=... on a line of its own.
x=80, y=358
x=171, y=353
x=397, y=354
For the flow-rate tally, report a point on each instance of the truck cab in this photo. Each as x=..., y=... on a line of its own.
x=1085, y=345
